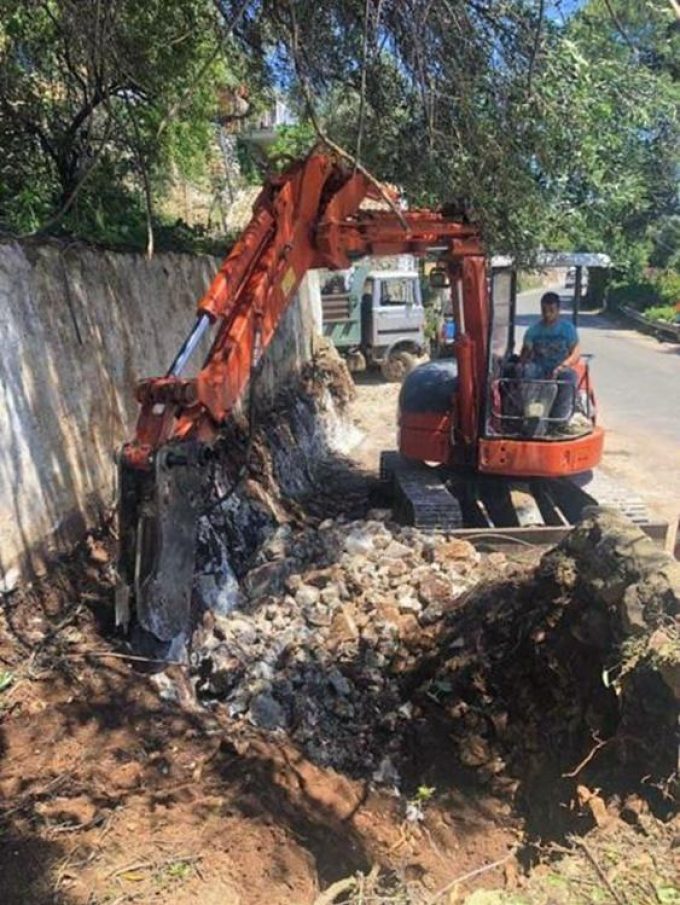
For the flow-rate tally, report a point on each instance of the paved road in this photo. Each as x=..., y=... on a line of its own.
x=637, y=382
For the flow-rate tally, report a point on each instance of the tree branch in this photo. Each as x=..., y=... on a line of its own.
x=76, y=191
x=537, y=41
x=32, y=128
x=136, y=149
x=362, y=95
x=619, y=27
x=177, y=106
x=311, y=111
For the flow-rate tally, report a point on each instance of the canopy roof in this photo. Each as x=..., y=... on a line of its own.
x=546, y=259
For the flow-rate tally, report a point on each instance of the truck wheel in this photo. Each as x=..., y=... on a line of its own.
x=356, y=362
x=397, y=365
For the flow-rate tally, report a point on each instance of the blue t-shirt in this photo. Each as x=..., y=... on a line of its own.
x=550, y=344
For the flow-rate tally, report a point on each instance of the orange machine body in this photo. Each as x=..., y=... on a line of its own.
x=463, y=433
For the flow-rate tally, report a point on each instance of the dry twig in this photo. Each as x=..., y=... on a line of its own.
x=471, y=874
x=104, y=654
x=602, y=875
x=30, y=796
x=599, y=743
x=328, y=896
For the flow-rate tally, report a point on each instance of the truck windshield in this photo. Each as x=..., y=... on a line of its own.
x=398, y=292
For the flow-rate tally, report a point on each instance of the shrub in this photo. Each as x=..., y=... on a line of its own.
x=656, y=295
x=667, y=283
x=638, y=294
x=665, y=313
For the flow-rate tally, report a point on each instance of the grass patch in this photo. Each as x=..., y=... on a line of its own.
x=665, y=313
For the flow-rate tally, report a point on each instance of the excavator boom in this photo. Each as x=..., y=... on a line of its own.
x=306, y=218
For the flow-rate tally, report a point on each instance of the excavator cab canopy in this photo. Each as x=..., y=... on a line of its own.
x=517, y=406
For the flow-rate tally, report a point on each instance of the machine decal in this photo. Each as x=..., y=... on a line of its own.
x=288, y=282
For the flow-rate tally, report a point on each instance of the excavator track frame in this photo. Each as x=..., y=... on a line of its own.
x=468, y=504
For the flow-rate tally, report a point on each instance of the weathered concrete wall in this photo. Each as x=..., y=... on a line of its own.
x=79, y=327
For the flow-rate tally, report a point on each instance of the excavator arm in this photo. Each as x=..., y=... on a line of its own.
x=306, y=218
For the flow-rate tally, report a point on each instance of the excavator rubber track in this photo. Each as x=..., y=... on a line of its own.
x=421, y=497
x=504, y=510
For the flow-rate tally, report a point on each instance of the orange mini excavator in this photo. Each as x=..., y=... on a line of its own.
x=467, y=415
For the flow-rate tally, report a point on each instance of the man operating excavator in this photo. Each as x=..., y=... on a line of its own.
x=550, y=352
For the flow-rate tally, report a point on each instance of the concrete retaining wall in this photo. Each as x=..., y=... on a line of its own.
x=78, y=328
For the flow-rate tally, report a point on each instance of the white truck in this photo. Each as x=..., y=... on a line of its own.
x=374, y=318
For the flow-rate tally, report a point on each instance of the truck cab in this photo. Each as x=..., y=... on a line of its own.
x=375, y=318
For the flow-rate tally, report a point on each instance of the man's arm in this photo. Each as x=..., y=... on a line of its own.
x=571, y=359
x=527, y=347
x=573, y=356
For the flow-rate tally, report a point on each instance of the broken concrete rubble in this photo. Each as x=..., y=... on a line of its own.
x=328, y=623
x=359, y=655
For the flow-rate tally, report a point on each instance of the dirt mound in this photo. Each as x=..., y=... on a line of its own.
x=567, y=682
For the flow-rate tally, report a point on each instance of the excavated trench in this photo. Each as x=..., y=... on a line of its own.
x=547, y=684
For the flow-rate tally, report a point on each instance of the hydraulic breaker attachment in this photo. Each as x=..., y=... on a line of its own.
x=158, y=520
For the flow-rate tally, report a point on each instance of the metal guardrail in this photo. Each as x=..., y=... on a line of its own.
x=655, y=328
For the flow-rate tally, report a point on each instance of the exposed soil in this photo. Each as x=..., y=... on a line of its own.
x=494, y=738
x=374, y=413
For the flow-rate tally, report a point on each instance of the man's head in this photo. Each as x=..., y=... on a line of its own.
x=550, y=307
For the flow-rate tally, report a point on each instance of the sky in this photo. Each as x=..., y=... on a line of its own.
x=559, y=8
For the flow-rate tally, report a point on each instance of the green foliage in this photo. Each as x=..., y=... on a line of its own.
x=527, y=280
x=665, y=238
x=666, y=313
x=102, y=105
x=656, y=294
x=620, y=130
x=432, y=325
x=547, y=131
x=179, y=870
x=548, y=134
x=249, y=164
x=424, y=793
x=639, y=294
x=667, y=283
x=291, y=143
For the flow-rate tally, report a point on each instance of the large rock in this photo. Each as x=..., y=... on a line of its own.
x=612, y=560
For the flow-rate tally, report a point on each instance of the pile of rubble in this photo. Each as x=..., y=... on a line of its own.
x=358, y=638
x=330, y=620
